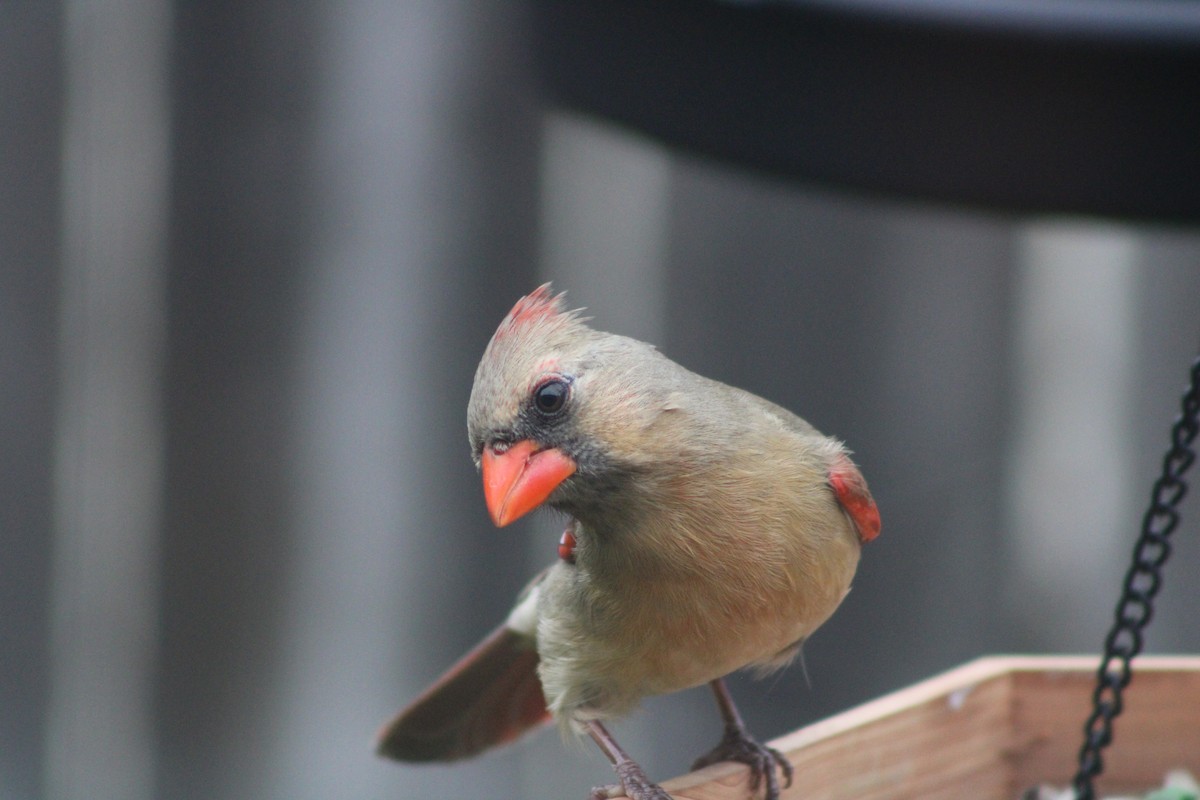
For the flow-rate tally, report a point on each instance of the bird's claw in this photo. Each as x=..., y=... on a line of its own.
x=634, y=785
x=738, y=746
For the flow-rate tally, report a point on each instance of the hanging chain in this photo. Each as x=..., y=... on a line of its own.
x=1142, y=583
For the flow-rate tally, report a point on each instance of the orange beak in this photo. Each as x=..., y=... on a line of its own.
x=518, y=479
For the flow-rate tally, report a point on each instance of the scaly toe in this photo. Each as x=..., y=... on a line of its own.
x=637, y=786
x=737, y=746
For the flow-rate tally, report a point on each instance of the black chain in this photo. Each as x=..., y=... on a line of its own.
x=1142, y=583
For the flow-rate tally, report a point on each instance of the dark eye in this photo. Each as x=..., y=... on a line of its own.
x=551, y=396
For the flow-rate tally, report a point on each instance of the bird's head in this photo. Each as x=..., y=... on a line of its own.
x=553, y=408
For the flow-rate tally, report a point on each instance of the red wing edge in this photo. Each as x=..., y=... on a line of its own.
x=851, y=490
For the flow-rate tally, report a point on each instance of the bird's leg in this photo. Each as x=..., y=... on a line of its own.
x=634, y=782
x=738, y=745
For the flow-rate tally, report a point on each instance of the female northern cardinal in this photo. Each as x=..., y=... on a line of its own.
x=710, y=530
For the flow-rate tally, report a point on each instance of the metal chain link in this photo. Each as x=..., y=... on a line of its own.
x=1142, y=583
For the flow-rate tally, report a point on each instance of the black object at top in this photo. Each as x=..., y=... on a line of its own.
x=1024, y=106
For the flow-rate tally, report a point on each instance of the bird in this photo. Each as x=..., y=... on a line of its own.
x=708, y=530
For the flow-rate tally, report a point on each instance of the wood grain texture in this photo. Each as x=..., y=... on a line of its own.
x=988, y=729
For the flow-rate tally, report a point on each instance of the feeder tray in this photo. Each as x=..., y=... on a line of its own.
x=989, y=729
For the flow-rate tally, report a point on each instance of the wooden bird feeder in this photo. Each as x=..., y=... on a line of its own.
x=987, y=730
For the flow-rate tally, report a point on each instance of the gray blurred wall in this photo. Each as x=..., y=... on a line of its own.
x=250, y=255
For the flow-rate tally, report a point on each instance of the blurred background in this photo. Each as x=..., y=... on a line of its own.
x=250, y=253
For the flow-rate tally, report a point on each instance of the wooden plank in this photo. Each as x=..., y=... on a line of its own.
x=988, y=729
x=1158, y=730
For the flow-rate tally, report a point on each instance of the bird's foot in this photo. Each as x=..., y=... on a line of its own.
x=634, y=785
x=737, y=745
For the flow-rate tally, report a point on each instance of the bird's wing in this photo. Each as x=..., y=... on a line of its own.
x=490, y=697
x=848, y=484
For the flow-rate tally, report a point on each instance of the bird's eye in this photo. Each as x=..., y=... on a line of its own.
x=551, y=396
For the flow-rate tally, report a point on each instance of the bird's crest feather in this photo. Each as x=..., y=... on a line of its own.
x=540, y=305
